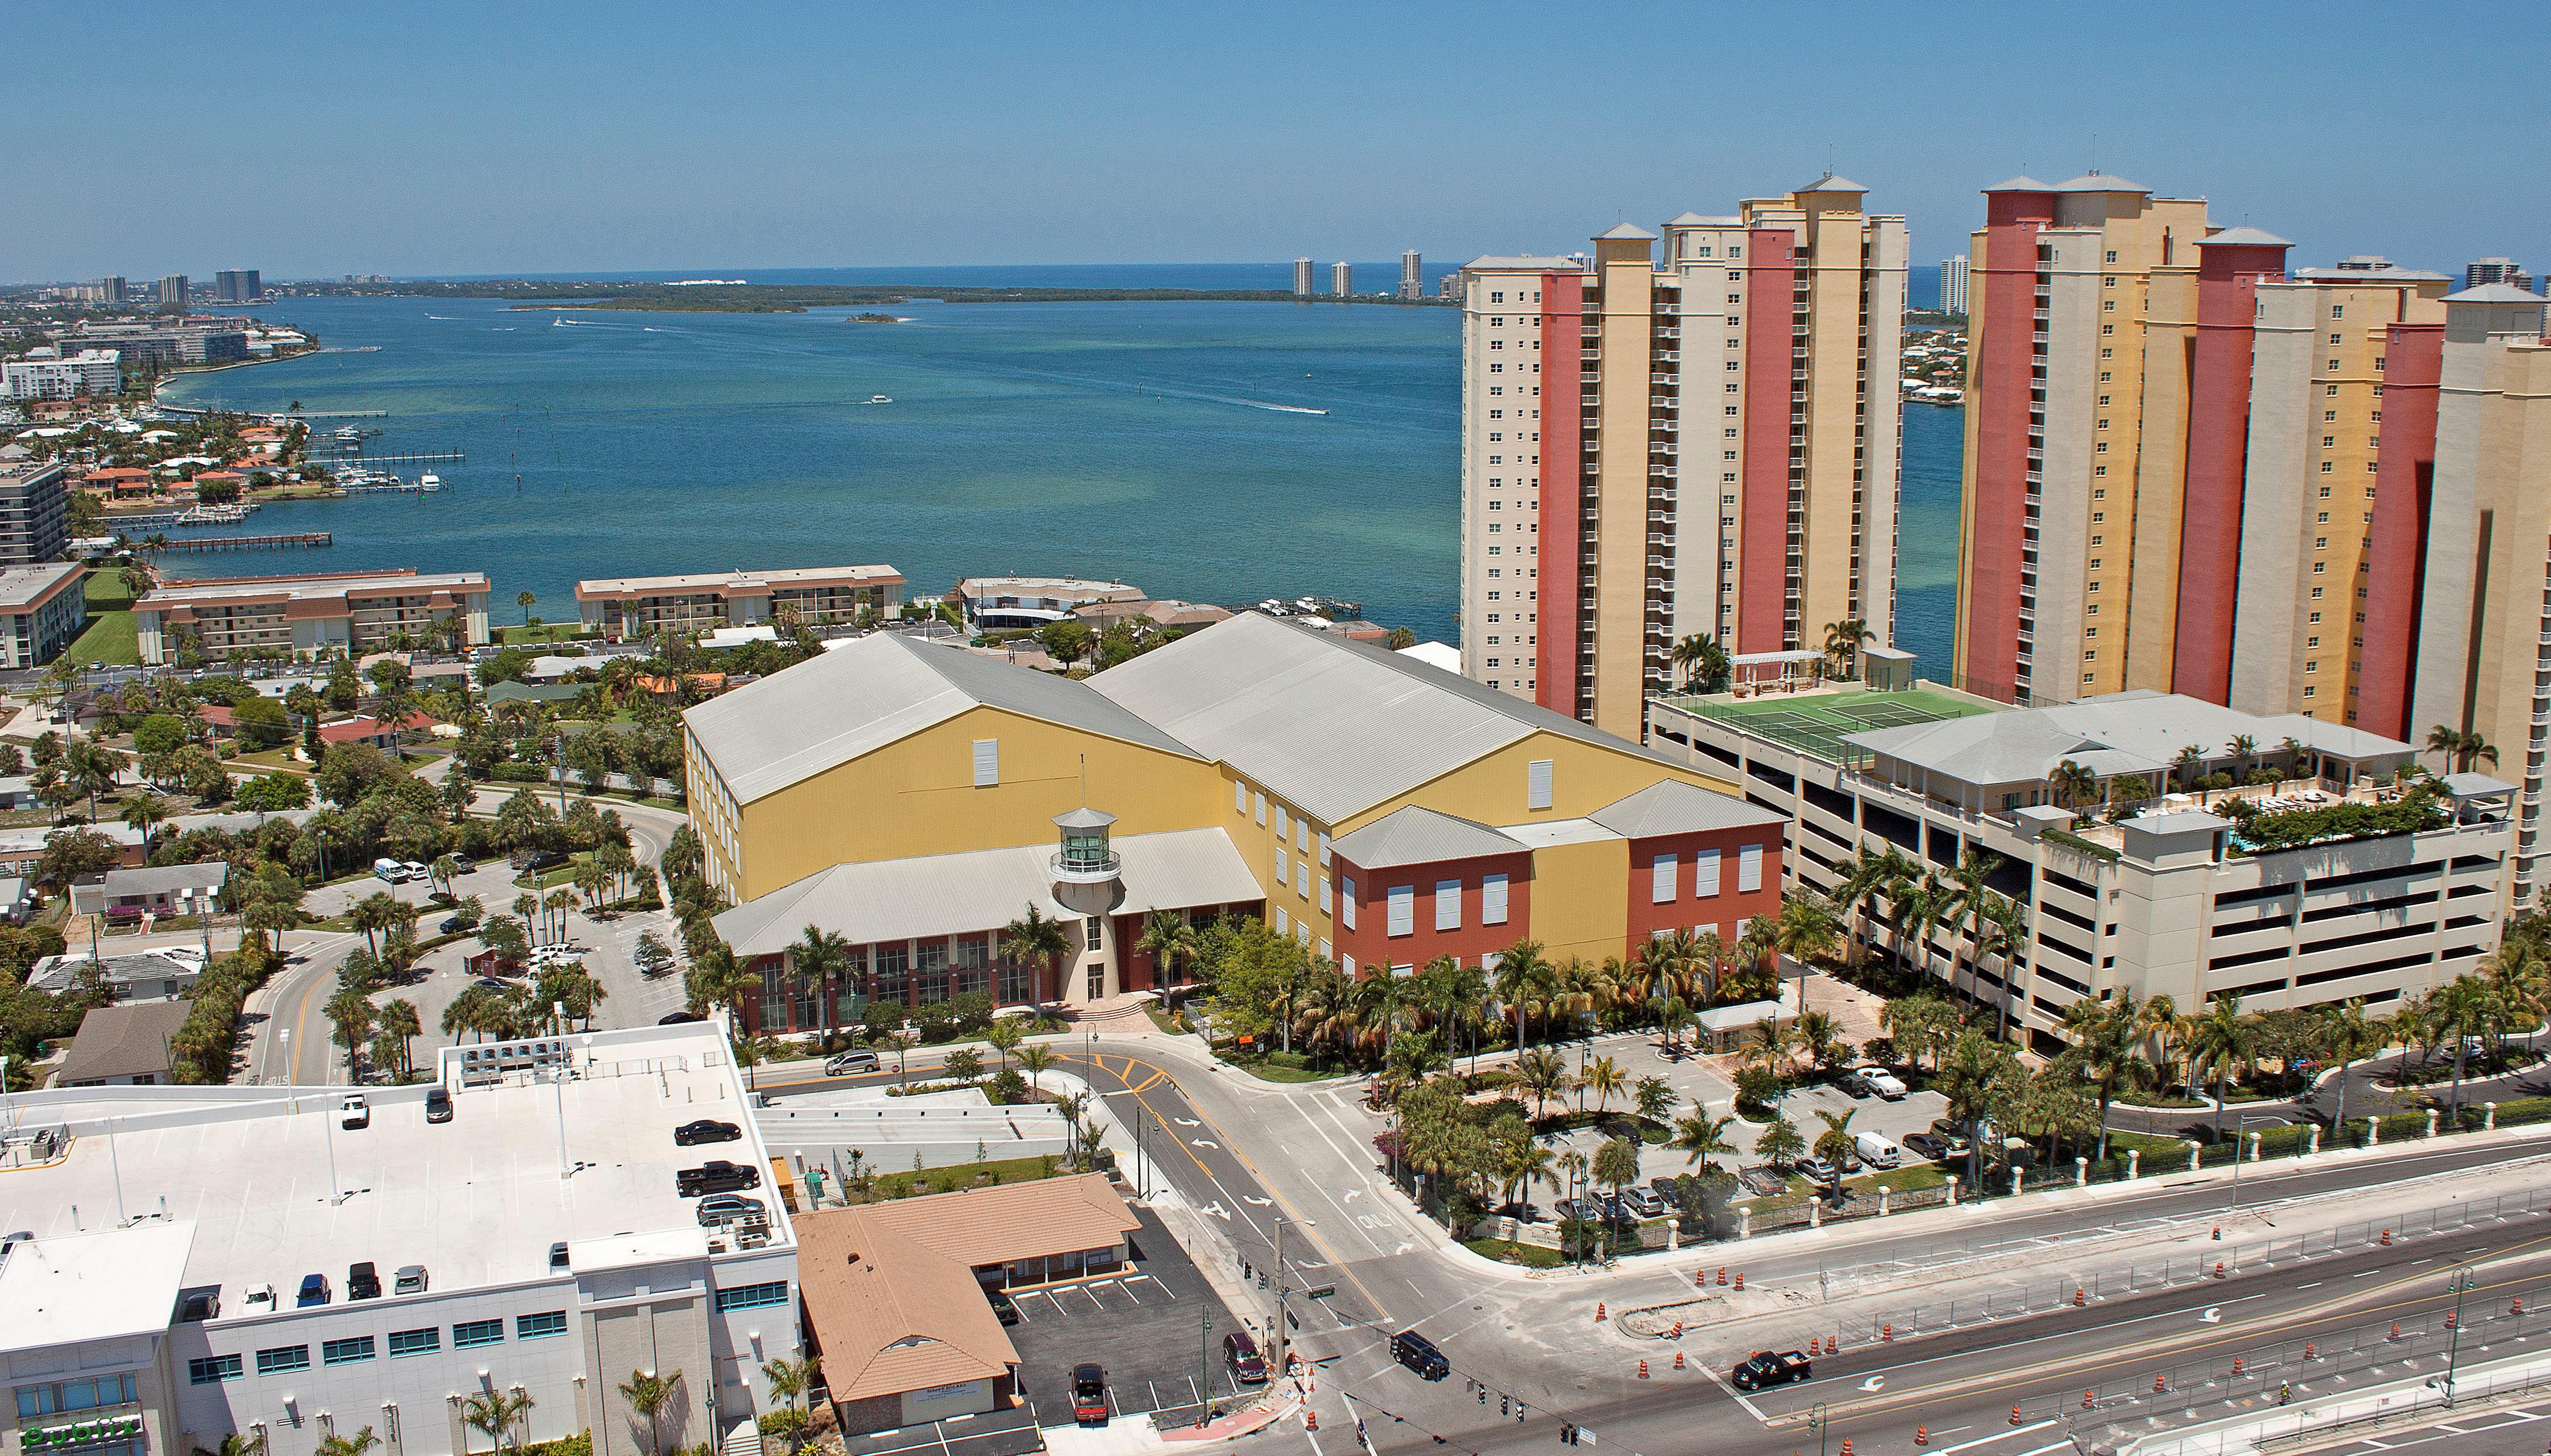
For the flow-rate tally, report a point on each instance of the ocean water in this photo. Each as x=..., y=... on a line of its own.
x=1168, y=445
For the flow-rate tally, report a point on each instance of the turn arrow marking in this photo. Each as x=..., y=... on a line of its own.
x=1873, y=1383
x=2213, y=1315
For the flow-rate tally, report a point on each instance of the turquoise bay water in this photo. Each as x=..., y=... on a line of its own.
x=1160, y=444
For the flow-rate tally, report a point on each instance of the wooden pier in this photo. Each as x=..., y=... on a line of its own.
x=337, y=459
x=278, y=542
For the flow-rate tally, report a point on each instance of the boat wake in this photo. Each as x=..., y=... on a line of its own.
x=1233, y=399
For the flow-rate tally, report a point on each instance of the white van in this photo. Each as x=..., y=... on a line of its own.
x=1877, y=1152
x=389, y=870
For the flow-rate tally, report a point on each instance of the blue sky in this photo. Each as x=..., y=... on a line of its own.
x=452, y=138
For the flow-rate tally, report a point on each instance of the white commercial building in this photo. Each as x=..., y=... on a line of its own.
x=187, y=1263
x=1953, y=285
x=994, y=602
x=2168, y=900
x=89, y=372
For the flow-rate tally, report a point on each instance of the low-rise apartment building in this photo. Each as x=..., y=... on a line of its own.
x=630, y=606
x=2167, y=899
x=190, y=1274
x=41, y=609
x=993, y=603
x=302, y=616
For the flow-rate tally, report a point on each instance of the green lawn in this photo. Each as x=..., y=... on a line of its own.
x=106, y=591
x=112, y=638
x=908, y=1183
x=1530, y=1256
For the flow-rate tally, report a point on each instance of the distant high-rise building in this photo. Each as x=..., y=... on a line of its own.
x=1779, y=518
x=172, y=291
x=111, y=290
x=237, y=285
x=2481, y=272
x=1412, y=280
x=1301, y=278
x=1341, y=278
x=1448, y=286
x=1953, y=285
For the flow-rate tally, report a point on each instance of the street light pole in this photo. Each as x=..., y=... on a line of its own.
x=2462, y=1285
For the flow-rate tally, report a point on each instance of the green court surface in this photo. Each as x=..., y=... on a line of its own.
x=1816, y=723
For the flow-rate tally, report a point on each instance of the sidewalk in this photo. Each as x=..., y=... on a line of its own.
x=2406, y=1404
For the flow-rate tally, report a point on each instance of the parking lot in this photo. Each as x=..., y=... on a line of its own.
x=1146, y=1324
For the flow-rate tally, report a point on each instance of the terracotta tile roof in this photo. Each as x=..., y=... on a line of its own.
x=890, y=1288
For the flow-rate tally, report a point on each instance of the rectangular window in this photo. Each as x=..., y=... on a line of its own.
x=1492, y=900
x=1704, y=873
x=1324, y=851
x=753, y=1297
x=347, y=1352
x=1347, y=903
x=987, y=762
x=404, y=1342
x=1279, y=823
x=214, y=1369
x=1348, y=966
x=1093, y=932
x=1448, y=904
x=1537, y=784
x=1258, y=801
x=540, y=1326
x=1302, y=835
x=1324, y=894
x=1749, y=868
x=283, y=1360
x=1284, y=922
x=1661, y=881
x=1302, y=878
x=1283, y=871
x=1401, y=918
x=478, y=1332
x=1239, y=798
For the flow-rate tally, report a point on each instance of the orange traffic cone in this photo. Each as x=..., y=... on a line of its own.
x=2014, y=1416
x=1643, y=1370
x=1829, y=1344
x=2089, y=1399
x=2079, y=1299
x=1886, y=1334
x=1846, y=1446
x=1677, y=1335
x=2236, y=1367
x=1700, y=1278
x=2312, y=1352
x=1921, y=1435
x=2395, y=1329
x=2160, y=1383
x=1740, y=1279
x=1678, y=1358
x=1723, y=1274
x=2218, y=1269
x=1310, y=1418
x=2387, y=1238
x=1599, y=1314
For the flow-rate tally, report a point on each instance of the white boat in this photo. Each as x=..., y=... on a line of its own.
x=879, y=399
x=429, y=481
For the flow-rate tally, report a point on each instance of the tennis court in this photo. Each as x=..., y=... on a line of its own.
x=1816, y=723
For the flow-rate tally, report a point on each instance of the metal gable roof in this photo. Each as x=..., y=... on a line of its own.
x=1671, y=807
x=1417, y=836
x=830, y=709
x=1330, y=726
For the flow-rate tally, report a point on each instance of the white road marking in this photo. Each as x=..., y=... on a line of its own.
x=1204, y=1143
x=1218, y=1211
x=2017, y=1430
x=2213, y=1315
x=1261, y=1203
x=1873, y=1383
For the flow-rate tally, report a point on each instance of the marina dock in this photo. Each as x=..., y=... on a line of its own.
x=278, y=541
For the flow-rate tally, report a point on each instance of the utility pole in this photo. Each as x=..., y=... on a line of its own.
x=2462, y=1285
x=1204, y=1374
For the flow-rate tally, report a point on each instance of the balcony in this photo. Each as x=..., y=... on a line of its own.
x=1078, y=865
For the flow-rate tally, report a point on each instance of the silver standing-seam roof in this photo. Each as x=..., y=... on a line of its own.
x=980, y=889
x=1332, y=726
x=881, y=689
x=1419, y=836
x=1671, y=807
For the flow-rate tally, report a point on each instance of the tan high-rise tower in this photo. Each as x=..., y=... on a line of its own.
x=1706, y=443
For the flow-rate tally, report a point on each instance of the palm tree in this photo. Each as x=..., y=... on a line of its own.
x=355, y=1445
x=1524, y=980
x=444, y=870
x=1700, y=1137
x=1004, y=1038
x=526, y=601
x=1701, y=658
x=1541, y=1071
x=2221, y=1040
x=1843, y=640
x=1616, y=1162
x=1169, y=941
x=2002, y=932
x=1453, y=991
x=1521, y=1161
x=649, y=1394
x=398, y=1018
x=1834, y=1144
x=2190, y=760
x=815, y=960
x=373, y=913
x=2468, y=1008
x=1873, y=876
x=1803, y=930
x=1603, y=1078
x=2461, y=748
x=789, y=1379
x=2104, y=1044
x=499, y=1414
x=2245, y=749
x=1780, y=1145
x=144, y=812
x=1966, y=908
x=2345, y=1035
x=1034, y=1060
x=1979, y=1077
x=1036, y=936
x=2072, y=787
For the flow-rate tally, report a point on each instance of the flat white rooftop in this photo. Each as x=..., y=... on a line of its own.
x=477, y=1200
x=101, y=1286
x=615, y=587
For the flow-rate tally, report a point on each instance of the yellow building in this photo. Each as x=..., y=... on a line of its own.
x=915, y=799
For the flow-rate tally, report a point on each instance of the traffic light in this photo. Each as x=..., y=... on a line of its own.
x=1502, y=1404
x=1484, y=1393
x=1567, y=1434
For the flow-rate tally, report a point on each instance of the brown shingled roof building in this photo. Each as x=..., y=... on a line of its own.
x=894, y=1292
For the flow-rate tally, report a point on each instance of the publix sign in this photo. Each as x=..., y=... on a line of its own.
x=79, y=1433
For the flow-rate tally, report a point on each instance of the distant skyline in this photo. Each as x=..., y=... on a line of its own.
x=309, y=140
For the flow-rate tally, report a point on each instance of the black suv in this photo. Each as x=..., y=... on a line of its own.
x=1419, y=1354
x=362, y=1281
x=716, y=1176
